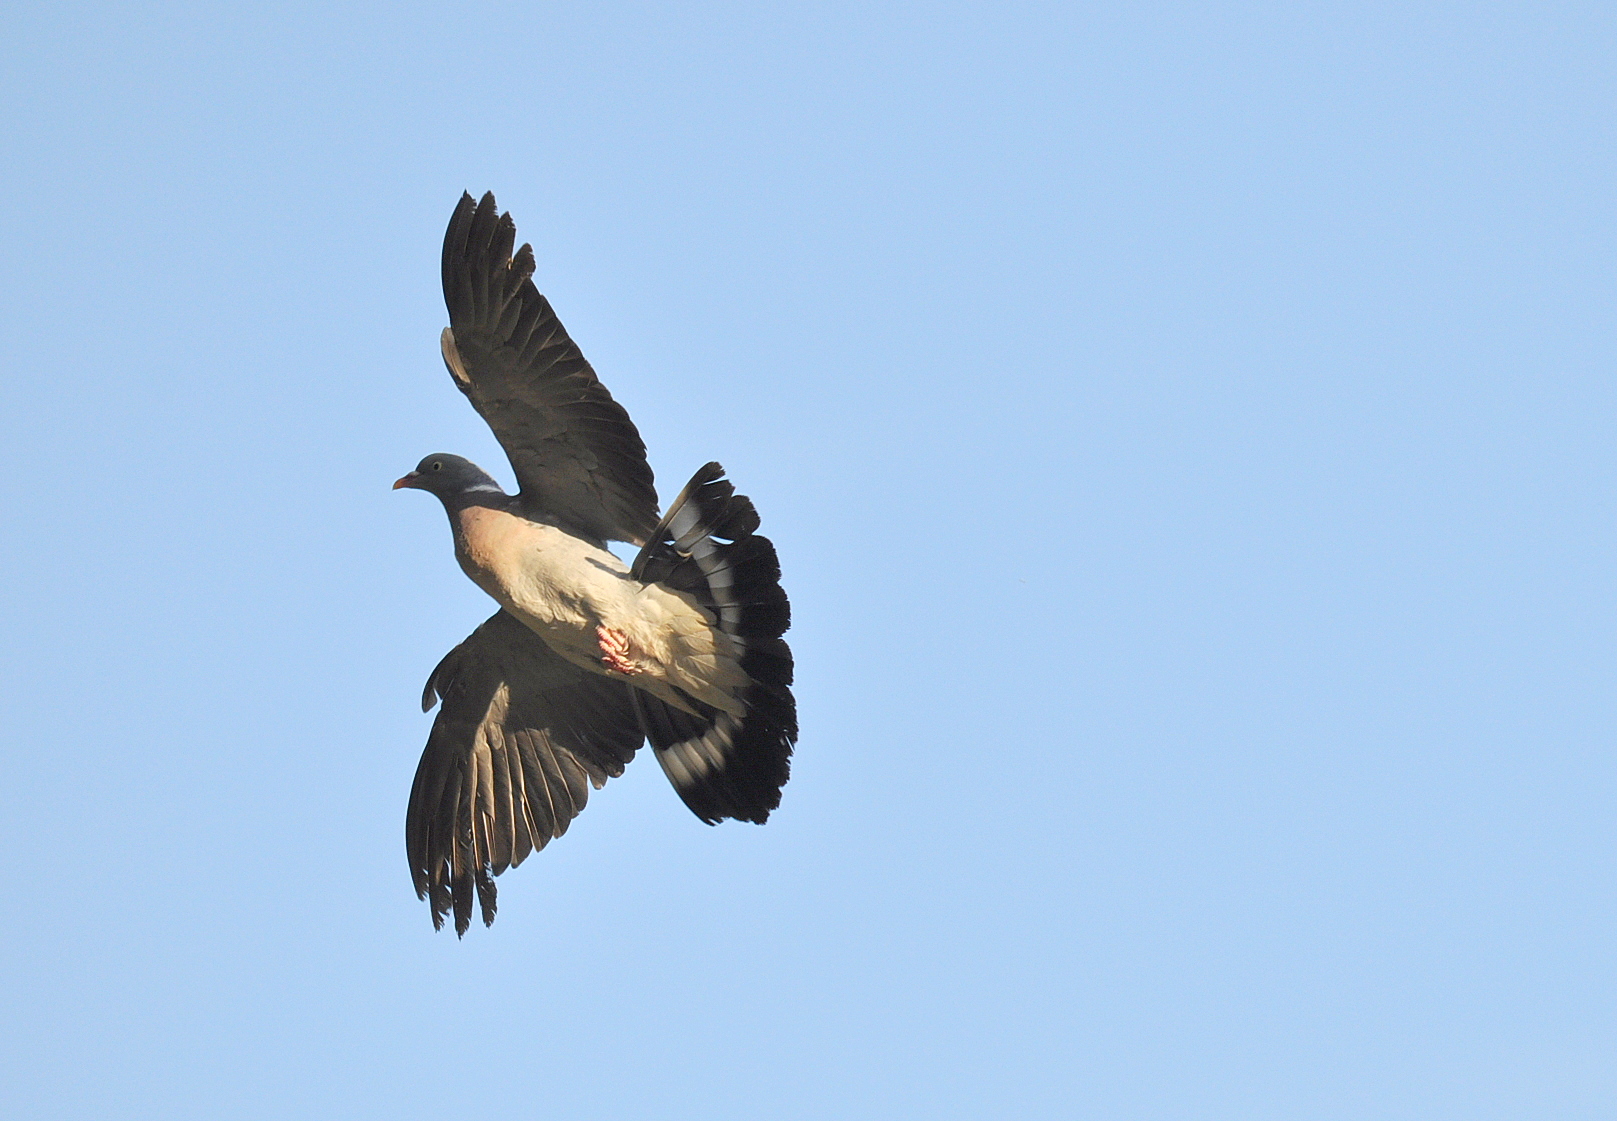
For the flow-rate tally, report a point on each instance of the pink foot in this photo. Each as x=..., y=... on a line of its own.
x=615, y=650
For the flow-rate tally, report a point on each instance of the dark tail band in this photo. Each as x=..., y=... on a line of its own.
x=707, y=546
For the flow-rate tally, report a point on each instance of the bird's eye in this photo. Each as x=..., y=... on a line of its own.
x=437, y=466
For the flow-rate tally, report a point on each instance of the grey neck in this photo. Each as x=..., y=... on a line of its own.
x=481, y=494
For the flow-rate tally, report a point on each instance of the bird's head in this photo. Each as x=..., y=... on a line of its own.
x=449, y=476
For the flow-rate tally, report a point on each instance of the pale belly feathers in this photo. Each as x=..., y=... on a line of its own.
x=563, y=588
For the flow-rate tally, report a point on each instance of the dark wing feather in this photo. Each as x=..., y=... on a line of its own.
x=577, y=456
x=521, y=737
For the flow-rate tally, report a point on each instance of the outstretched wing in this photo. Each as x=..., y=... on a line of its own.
x=520, y=738
x=577, y=456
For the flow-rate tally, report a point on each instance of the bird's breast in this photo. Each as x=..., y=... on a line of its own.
x=563, y=587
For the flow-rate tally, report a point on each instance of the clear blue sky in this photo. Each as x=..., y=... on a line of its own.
x=1187, y=431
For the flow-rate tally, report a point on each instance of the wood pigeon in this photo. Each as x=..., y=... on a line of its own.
x=587, y=657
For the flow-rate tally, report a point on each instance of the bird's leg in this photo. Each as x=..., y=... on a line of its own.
x=615, y=650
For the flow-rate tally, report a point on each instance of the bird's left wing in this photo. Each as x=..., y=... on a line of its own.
x=577, y=456
x=521, y=737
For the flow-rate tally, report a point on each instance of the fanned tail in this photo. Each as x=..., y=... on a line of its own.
x=707, y=546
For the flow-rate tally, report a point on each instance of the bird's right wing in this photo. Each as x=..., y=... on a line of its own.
x=521, y=737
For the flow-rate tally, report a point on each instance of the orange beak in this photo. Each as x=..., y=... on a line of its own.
x=408, y=480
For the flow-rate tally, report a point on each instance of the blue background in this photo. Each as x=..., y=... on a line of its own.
x=1186, y=429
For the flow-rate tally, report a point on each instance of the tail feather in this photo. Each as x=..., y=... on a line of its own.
x=707, y=546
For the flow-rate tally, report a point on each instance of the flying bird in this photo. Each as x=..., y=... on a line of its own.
x=587, y=657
